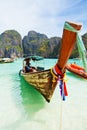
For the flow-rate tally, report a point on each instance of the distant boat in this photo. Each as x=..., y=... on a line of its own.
x=76, y=69
x=6, y=60
x=45, y=81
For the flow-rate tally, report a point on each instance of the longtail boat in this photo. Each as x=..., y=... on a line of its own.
x=6, y=60
x=76, y=69
x=45, y=81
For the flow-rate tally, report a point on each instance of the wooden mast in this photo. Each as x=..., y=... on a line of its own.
x=68, y=42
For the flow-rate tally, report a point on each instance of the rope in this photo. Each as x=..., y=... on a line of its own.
x=60, y=126
x=54, y=76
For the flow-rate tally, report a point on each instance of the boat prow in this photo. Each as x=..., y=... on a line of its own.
x=42, y=81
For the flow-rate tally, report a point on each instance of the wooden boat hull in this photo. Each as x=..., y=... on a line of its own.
x=76, y=70
x=42, y=81
x=6, y=62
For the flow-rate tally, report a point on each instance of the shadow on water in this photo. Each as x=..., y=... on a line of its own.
x=32, y=100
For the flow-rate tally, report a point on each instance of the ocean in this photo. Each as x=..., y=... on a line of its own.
x=23, y=108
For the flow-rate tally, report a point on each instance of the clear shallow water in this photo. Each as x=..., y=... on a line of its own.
x=23, y=108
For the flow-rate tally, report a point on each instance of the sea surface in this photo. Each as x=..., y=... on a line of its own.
x=23, y=108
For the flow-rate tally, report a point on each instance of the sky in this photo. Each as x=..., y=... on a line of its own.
x=43, y=16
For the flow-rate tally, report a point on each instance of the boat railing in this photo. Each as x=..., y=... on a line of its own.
x=40, y=68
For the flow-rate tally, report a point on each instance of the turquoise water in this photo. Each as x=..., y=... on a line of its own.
x=23, y=108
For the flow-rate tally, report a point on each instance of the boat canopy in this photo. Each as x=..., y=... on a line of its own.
x=34, y=58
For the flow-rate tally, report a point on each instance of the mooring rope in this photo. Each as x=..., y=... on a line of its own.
x=60, y=125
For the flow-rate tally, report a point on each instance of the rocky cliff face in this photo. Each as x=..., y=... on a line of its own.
x=75, y=52
x=31, y=42
x=10, y=44
x=84, y=38
x=39, y=44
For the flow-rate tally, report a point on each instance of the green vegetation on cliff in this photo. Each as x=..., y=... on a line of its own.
x=10, y=44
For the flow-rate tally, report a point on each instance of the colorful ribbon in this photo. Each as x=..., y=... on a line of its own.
x=58, y=76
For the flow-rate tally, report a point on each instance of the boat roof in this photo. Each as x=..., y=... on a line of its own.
x=34, y=58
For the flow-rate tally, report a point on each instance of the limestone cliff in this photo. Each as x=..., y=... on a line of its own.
x=10, y=44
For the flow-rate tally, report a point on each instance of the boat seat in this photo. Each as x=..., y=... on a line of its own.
x=40, y=68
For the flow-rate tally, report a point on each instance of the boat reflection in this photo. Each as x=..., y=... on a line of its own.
x=32, y=100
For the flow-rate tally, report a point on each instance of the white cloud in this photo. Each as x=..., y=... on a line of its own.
x=46, y=16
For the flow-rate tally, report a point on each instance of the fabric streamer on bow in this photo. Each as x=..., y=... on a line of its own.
x=63, y=89
x=58, y=76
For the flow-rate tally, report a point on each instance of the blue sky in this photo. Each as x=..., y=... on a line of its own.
x=43, y=16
